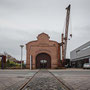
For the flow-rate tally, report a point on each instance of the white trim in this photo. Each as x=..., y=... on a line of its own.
x=30, y=62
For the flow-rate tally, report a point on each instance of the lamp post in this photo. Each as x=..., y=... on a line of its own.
x=21, y=54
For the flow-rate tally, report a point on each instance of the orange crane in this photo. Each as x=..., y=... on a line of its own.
x=65, y=36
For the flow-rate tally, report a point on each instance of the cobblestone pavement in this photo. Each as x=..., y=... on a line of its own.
x=44, y=80
x=12, y=79
x=78, y=79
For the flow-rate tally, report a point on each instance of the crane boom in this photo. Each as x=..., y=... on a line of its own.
x=64, y=39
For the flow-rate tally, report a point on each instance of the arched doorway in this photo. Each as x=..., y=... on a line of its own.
x=43, y=60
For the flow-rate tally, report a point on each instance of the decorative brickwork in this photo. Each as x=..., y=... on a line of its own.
x=42, y=46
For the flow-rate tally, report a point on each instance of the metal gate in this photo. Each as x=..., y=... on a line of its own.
x=43, y=60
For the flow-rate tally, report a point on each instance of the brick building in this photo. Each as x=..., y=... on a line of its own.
x=42, y=53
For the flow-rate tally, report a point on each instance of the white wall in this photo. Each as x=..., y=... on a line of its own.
x=82, y=51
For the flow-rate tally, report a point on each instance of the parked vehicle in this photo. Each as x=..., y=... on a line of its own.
x=86, y=66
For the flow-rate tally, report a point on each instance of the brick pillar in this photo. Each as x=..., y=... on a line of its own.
x=59, y=55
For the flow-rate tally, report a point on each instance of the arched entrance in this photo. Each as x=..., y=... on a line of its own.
x=43, y=60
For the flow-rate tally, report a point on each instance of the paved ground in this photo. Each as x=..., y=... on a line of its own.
x=14, y=78
x=78, y=79
x=44, y=80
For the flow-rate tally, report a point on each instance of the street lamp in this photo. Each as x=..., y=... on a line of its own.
x=21, y=54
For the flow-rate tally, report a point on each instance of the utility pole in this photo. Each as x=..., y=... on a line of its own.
x=21, y=54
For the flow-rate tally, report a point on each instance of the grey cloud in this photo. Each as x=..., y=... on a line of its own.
x=22, y=20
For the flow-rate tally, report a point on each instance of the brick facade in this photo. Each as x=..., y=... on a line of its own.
x=42, y=45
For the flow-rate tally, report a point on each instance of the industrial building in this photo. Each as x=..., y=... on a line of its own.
x=80, y=55
x=42, y=53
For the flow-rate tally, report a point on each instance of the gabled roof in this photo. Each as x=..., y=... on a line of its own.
x=44, y=35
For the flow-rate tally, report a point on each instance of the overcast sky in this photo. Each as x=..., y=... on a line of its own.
x=22, y=20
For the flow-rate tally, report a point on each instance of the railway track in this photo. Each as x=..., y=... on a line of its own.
x=44, y=80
